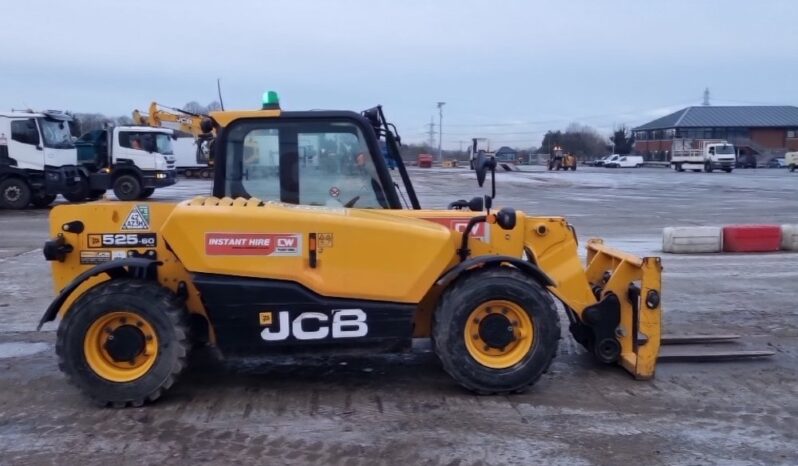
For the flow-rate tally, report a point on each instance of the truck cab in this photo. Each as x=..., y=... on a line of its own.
x=138, y=159
x=38, y=160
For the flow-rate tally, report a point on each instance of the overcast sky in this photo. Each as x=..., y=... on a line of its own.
x=508, y=70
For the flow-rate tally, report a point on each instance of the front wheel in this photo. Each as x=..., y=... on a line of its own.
x=792, y=168
x=727, y=170
x=124, y=342
x=496, y=331
x=42, y=200
x=15, y=193
x=127, y=188
x=78, y=192
x=146, y=192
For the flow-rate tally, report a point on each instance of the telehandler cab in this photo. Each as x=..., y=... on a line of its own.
x=305, y=248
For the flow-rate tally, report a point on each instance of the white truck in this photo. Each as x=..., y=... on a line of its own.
x=38, y=161
x=140, y=159
x=191, y=160
x=791, y=160
x=623, y=161
x=702, y=154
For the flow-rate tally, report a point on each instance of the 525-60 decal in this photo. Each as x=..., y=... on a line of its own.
x=123, y=240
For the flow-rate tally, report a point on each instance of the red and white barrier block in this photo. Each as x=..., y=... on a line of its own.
x=692, y=240
x=751, y=238
x=789, y=237
x=730, y=238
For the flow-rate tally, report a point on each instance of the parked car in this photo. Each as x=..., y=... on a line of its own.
x=746, y=161
x=600, y=162
x=624, y=161
x=777, y=163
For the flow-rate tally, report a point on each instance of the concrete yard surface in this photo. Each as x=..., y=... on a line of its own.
x=403, y=409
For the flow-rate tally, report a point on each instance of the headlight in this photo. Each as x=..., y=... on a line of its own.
x=160, y=175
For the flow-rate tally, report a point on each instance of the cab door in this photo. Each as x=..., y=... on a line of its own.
x=135, y=147
x=25, y=145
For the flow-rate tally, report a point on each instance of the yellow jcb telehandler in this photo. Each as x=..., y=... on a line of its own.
x=319, y=256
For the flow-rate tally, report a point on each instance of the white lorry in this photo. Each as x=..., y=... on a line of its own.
x=140, y=159
x=623, y=161
x=791, y=160
x=191, y=160
x=38, y=161
x=702, y=154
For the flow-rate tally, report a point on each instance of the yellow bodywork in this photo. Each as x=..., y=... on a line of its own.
x=381, y=255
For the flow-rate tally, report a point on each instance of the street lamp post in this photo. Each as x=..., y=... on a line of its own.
x=440, y=130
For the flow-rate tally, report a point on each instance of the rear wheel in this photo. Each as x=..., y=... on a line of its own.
x=146, y=192
x=792, y=168
x=127, y=188
x=15, y=193
x=496, y=331
x=124, y=342
x=205, y=173
x=727, y=170
x=41, y=200
x=78, y=192
x=95, y=194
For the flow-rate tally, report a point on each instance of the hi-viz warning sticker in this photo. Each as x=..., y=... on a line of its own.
x=138, y=218
x=253, y=244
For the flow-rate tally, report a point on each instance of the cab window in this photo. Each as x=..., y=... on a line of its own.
x=137, y=140
x=24, y=131
x=302, y=162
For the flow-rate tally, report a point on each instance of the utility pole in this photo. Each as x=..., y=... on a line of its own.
x=431, y=132
x=440, y=130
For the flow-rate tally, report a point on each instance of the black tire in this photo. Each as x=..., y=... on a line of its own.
x=188, y=173
x=77, y=192
x=573, y=168
x=792, y=168
x=153, y=303
x=95, y=194
x=205, y=173
x=678, y=167
x=127, y=188
x=42, y=200
x=15, y=193
x=727, y=170
x=708, y=167
x=146, y=192
x=454, y=309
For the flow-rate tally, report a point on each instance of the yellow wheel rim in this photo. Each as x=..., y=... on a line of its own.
x=101, y=346
x=499, y=334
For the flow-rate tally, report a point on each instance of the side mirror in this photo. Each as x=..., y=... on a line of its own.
x=505, y=218
x=477, y=204
x=482, y=164
x=373, y=116
x=206, y=125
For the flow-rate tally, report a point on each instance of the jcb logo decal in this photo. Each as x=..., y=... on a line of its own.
x=346, y=323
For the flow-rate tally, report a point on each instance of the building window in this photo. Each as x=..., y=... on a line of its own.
x=792, y=133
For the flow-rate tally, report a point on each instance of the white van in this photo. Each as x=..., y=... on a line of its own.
x=791, y=160
x=624, y=161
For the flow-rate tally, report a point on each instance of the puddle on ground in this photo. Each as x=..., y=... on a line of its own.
x=15, y=350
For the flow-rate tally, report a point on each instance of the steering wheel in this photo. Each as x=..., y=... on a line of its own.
x=352, y=202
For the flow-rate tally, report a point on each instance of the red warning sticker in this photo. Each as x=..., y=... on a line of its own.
x=253, y=244
x=459, y=224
